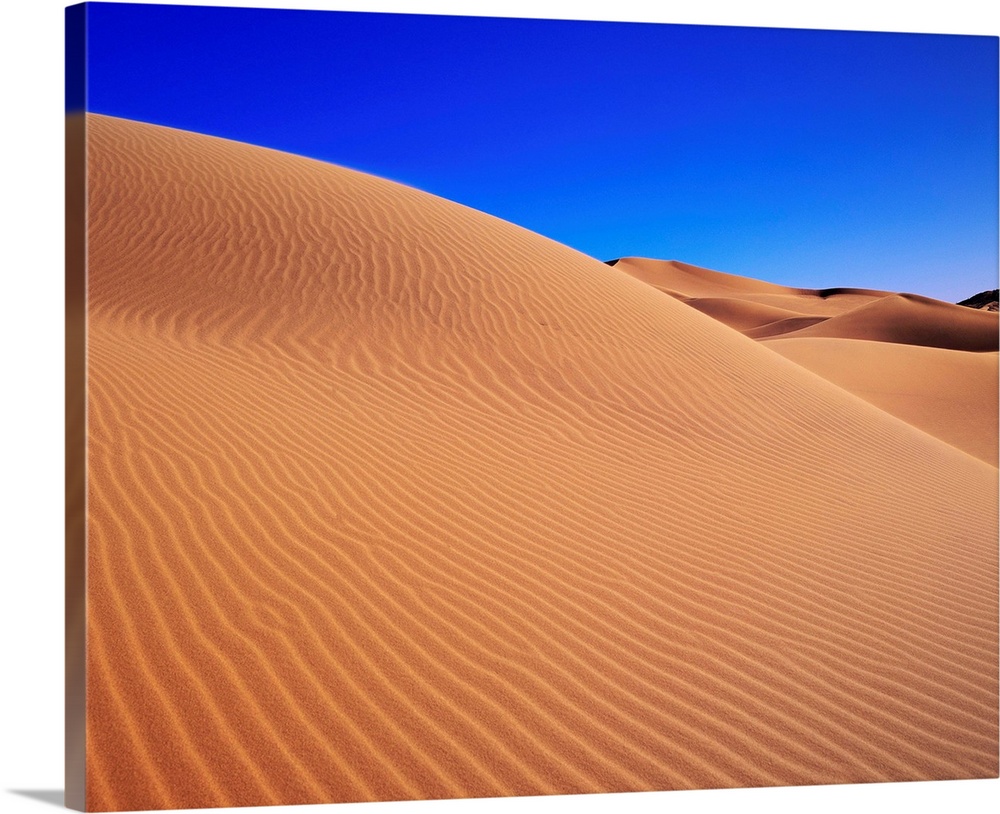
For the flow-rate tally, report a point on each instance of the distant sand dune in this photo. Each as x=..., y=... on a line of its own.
x=950, y=394
x=744, y=315
x=761, y=309
x=947, y=388
x=781, y=327
x=692, y=281
x=391, y=499
x=912, y=320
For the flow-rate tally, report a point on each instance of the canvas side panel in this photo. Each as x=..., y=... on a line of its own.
x=76, y=383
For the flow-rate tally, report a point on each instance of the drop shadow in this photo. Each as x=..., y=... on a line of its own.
x=54, y=797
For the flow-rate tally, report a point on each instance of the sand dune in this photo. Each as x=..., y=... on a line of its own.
x=743, y=315
x=694, y=281
x=950, y=394
x=930, y=363
x=762, y=310
x=912, y=320
x=391, y=499
x=686, y=281
x=780, y=327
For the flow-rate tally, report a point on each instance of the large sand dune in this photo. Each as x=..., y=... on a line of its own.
x=391, y=499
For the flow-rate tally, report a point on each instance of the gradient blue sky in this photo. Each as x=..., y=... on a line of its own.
x=810, y=158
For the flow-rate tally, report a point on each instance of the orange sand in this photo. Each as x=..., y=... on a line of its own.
x=391, y=499
x=950, y=394
x=933, y=364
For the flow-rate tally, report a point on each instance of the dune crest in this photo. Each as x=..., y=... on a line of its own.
x=690, y=281
x=909, y=319
x=950, y=394
x=864, y=341
x=390, y=499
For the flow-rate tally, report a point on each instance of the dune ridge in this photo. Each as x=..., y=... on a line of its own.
x=690, y=281
x=909, y=319
x=864, y=341
x=390, y=499
x=763, y=310
x=950, y=394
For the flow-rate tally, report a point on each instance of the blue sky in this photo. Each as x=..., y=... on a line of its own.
x=810, y=158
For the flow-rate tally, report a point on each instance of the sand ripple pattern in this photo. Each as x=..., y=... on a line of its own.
x=390, y=499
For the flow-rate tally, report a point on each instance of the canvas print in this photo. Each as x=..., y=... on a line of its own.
x=474, y=407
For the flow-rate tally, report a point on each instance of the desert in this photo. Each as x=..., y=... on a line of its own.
x=390, y=499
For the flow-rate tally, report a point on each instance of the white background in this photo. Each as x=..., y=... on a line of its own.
x=31, y=336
